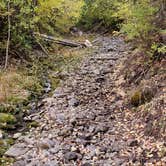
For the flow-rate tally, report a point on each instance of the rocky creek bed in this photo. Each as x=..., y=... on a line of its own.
x=86, y=122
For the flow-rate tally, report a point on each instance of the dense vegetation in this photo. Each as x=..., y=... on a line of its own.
x=142, y=20
x=27, y=17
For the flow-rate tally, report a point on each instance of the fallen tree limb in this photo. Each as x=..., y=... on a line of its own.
x=62, y=42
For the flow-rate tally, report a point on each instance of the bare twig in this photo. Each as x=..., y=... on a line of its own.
x=9, y=33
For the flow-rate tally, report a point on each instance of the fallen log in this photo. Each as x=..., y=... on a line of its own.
x=63, y=42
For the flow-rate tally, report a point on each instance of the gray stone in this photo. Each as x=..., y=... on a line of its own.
x=58, y=93
x=73, y=121
x=103, y=149
x=96, y=72
x=17, y=135
x=34, y=163
x=65, y=132
x=16, y=151
x=86, y=136
x=52, y=163
x=88, y=43
x=1, y=135
x=101, y=128
x=76, y=124
x=116, y=147
x=60, y=118
x=54, y=150
x=47, y=87
x=100, y=79
x=20, y=163
x=133, y=142
x=71, y=156
x=118, y=161
x=73, y=102
x=86, y=164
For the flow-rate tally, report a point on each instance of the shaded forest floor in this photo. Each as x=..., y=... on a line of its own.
x=108, y=110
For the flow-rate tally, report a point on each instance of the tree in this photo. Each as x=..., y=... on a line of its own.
x=26, y=17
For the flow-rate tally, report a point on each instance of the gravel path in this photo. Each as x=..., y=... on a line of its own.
x=83, y=124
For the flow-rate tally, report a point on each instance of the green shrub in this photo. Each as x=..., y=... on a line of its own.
x=41, y=16
x=144, y=23
x=101, y=12
x=7, y=118
x=138, y=21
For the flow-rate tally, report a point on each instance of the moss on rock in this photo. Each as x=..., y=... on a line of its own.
x=136, y=98
x=7, y=118
x=142, y=96
x=33, y=124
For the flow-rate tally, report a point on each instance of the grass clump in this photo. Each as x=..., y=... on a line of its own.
x=7, y=121
x=136, y=99
x=15, y=85
x=4, y=145
x=33, y=124
x=7, y=118
x=142, y=96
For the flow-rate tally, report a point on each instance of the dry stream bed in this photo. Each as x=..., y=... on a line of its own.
x=89, y=121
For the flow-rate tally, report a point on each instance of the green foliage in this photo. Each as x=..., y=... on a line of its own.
x=58, y=15
x=7, y=118
x=99, y=11
x=7, y=121
x=33, y=124
x=21, y=21
x=141, y=20
x=159, y=48
x=41, y=16
x=138, y=19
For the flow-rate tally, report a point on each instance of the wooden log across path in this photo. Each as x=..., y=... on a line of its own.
x=64, y=42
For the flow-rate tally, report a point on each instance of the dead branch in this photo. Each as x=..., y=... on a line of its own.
x=62, y=42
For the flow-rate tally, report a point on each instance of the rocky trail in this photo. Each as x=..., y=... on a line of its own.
x=86, y=122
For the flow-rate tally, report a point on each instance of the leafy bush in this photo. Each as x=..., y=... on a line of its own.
x=58, y=15
x=141, y=20
x=103, y=12
x=42, y=16
x=144, y=23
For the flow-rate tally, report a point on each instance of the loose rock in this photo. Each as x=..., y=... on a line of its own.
x=16, y=150
x=71, y=156
x=86, y=121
